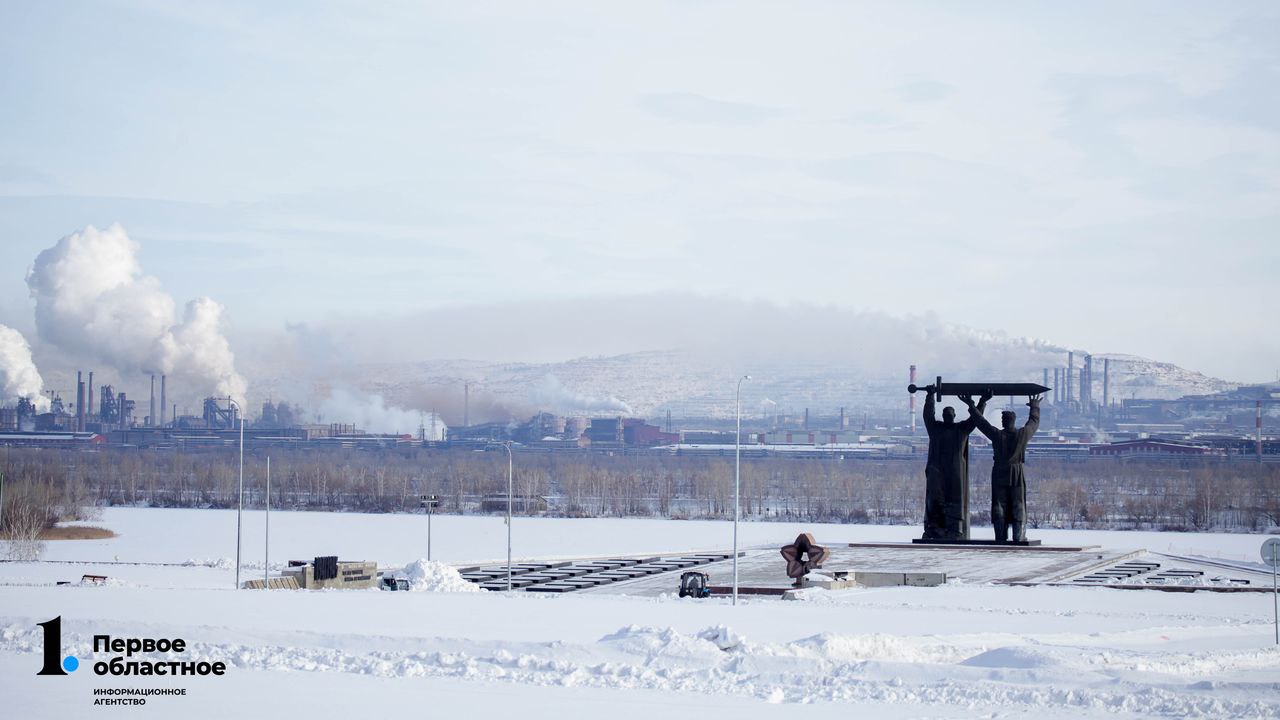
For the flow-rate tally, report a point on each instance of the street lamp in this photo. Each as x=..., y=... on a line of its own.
x=430, y=503
x=266, y=542
x=510, y=485
x=240, y=503
x=737, y=478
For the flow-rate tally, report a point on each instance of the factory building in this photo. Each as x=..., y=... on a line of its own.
x=1149, y=447
x=60, y=440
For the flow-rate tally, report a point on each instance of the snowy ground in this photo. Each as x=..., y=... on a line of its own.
x=964, y=650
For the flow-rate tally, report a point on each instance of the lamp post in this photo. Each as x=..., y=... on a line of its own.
x=240, y=503
x=737, y=478
x=266, y=543
x=510, y=485
x=430, y=503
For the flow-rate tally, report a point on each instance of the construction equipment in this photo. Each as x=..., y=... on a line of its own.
x=694, y=584
x=388, y=582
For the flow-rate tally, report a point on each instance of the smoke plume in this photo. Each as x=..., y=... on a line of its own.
x=93, y=300
x=551, y=394
x=18, y=374
x=370, y=413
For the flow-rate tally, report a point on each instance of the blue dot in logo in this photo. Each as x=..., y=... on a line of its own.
x=70, y=663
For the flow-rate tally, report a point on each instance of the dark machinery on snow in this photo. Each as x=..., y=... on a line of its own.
x=694, y=584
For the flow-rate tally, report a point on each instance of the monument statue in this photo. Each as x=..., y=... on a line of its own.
x=946, y=495
x=1008, y=479
x=947, y=469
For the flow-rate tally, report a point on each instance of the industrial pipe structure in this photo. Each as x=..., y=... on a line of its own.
x=737, y=479
x=912, y=399
x=1258, y=429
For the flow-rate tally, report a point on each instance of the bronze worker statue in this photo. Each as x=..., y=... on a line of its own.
x=1008, y=479
x=946, y=472
x=947, y=468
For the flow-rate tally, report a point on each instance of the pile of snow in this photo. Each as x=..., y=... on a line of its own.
x=1013, y=657
x=435, y=576
x=218, y=563
x=723, y=637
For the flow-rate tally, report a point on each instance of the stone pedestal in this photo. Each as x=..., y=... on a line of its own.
x=1010, y=543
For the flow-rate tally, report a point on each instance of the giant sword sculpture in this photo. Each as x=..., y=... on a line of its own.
x=939, y=388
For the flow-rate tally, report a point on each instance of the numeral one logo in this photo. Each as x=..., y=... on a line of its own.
x=54, y=664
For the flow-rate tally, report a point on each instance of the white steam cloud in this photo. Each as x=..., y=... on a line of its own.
x=371, y=414
x=551, y=394
x=18, y=374
x=93, y=300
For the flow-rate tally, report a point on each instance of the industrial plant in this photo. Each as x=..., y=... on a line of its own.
x=1083, y=418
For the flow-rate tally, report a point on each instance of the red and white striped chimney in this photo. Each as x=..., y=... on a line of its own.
x=1258, y=428
x=913, y=401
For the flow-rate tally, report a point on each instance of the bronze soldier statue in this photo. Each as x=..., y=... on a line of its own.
x=946, y=497
x=1008, y=479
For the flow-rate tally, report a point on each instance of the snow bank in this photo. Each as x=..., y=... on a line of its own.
x=219, y=563
x=1062, y=680
x=1012, y=657
x=435, y=576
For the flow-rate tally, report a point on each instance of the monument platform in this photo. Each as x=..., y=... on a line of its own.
x=764, y=571
x=1030, y=545
x=967, y=541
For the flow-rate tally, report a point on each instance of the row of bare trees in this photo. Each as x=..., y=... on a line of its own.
x=37, y=491
x=1198, y=494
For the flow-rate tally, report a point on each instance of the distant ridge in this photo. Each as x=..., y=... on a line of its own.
x=692, y=385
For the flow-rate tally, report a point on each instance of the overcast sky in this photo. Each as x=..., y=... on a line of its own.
x=1099, y=175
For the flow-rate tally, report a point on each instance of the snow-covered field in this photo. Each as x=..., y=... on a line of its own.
x=962, y=650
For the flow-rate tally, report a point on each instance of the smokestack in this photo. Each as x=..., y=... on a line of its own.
x=1086, y=383
x=151, y=416
x=89, y=401
x=1106, y=383
x=1057, y=394
x=842, y=420
x=1258, y=428
x=806, y=418
x=913, y=400
x=122, y=402
x=1071, y=366
x=79, y=401
x=163, y=403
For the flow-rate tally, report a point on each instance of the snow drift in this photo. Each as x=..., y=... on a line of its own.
x=435, y=576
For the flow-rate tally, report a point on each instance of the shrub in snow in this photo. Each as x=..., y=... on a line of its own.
x=434, y=576
x=24, y=549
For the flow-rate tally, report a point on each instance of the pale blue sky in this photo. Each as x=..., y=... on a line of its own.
x=1112, y=169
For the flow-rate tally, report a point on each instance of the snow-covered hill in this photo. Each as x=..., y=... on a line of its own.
x=1137, y=377
x=691, y=385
